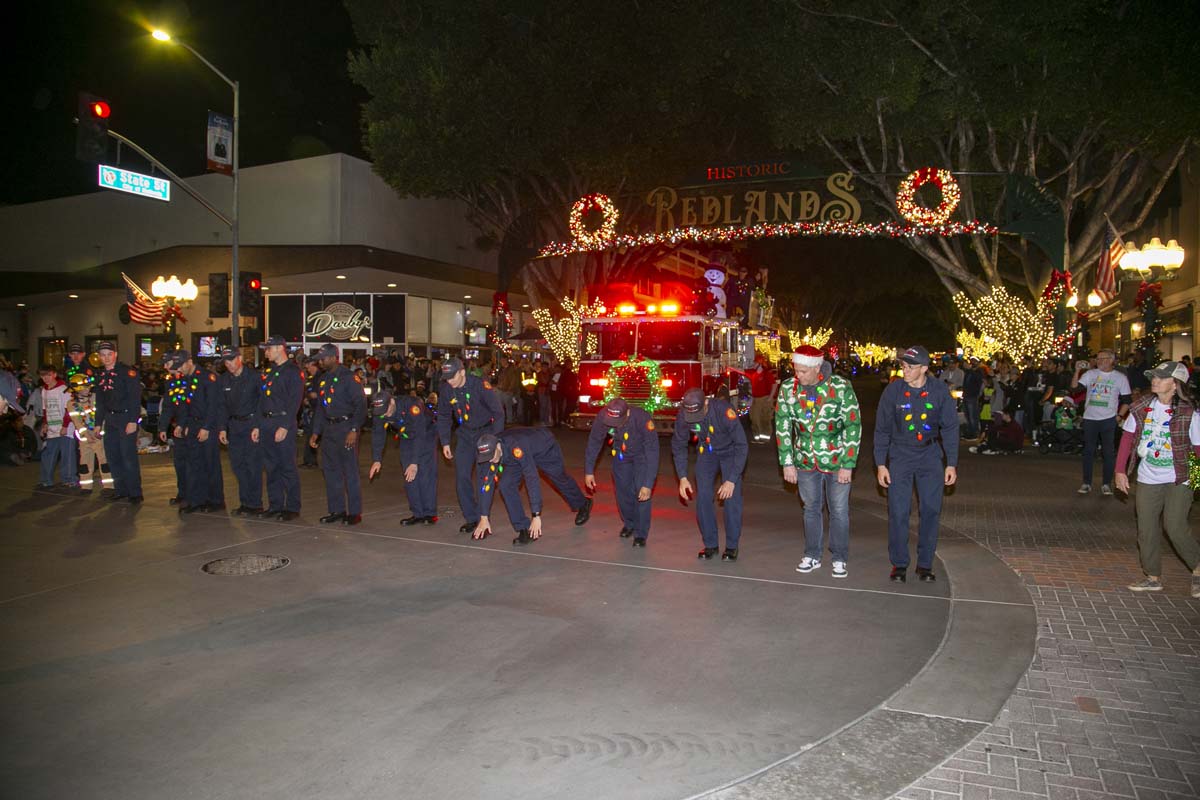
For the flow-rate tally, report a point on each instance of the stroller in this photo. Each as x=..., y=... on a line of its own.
x=1062, y=433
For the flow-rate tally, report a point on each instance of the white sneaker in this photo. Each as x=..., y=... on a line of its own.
x=1084, y=488
x=1106, y=490
x=808, y=564
x=839, y=569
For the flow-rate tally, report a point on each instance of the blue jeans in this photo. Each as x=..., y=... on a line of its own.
x=60, y=448
x=1103, y=431
x=971, y=408
x=818, y=489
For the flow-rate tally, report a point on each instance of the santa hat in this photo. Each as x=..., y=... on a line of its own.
x=807, y=356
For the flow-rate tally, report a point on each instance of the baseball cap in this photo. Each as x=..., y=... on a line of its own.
x=229, y=354
x=1169, y=369
x=379, y=402
x=451, y=367
x=693, y=405
x=616, y=413
x=326, y=351
x=485, y=448
x=274, y=341
x=75, y=348
x=915, y=355
x=174, y=359
x=106, y=346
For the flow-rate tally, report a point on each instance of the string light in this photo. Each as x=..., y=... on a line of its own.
x=870, y=353
x=817, y=339
x=562, y=334
x=1012, y=325
x=981, y=346
x=906, y=194
x=769, y=347
x=764, y=230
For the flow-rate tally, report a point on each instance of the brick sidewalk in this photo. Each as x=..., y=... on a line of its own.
x=1110, y=706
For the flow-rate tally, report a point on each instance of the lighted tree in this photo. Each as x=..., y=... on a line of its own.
x=1010, y=323
x=562, y=332
x=978, y=345
x=818, y=338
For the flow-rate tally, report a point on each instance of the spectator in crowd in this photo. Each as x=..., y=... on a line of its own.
x=1108, y=397
x=55, y=426
x=952, y=375
x=972, y=387
x=543, y=394
x=1005, y=436
x=1163, y=429
x=508, y=386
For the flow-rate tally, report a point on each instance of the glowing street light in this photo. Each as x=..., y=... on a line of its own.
x=163, y=36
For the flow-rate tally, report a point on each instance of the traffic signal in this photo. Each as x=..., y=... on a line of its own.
x=218, y=295
x=91, y=129
x=250, y=296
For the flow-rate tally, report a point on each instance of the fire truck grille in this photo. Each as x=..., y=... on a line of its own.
x=633, y=386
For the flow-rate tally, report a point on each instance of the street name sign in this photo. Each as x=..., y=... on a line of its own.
x=122, y=180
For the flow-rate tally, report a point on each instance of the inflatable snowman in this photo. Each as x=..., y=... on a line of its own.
x=716, y=289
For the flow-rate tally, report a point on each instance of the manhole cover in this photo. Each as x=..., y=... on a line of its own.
x=246, y=565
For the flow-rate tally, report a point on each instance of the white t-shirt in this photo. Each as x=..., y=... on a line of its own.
x=1104, y=390
x=1157, y=464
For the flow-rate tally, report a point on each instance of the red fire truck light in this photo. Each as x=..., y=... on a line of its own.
x=669, y=308
x=601, y=382
x=626, y=309
x=667, y=383
x=650, y=309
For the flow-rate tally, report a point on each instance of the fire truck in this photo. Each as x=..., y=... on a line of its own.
x=650, y=355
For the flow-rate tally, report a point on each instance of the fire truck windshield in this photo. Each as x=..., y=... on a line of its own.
x=667, y=340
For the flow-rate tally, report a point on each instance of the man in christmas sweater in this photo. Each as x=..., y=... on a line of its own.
x=82, y=409
x=818, y=428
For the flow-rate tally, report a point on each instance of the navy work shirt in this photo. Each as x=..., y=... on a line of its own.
x=118, y=397
x=911, y=418
x=635, y=441
x=472, y=406
x=411, y=424
x=719, y=435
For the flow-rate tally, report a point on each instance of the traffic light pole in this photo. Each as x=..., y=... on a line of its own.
x=199, y=198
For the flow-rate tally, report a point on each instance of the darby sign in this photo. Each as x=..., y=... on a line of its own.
x=340, y=321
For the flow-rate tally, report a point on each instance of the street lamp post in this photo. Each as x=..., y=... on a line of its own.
x=234, y=281
x=1154, y=263
x=174, y=294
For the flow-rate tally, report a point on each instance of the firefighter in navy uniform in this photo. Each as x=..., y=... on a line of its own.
x=471, y=403
x=629, y=435
x=720, y=448
x=341, y=411
x=278, y=403
x=410, y=422
x=520, y=454
x=118, y=408
x=239, y=389
x=170, y=422
x=915, y=415
x=196, y=416
x=77, y=363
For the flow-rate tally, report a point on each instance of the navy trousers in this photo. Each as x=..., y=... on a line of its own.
x=550, y=464
x=464, y=466
x=707, y=468
x=635, y=515
x=245, y=457
x=343, y=491
x=120, y=448
x=203, y=482
x=920, y=467
x=422, y=493
x=279, y=460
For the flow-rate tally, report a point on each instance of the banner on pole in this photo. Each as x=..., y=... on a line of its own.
x=220, y=143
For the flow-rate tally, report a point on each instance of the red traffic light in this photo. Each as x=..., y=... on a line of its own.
x=100, y=109
x=254, y=283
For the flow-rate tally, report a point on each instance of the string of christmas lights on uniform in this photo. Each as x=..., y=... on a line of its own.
x=562, y=333
x=818, y=338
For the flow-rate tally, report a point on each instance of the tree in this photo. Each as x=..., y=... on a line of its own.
x=1094, y=100
x=518, y=109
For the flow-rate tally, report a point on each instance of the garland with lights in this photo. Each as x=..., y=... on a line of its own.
x=1149, y=299
x=598, y=239
x=502, y=323
x=624, y=373
x=817, y=339
x=563, y=334
x=765, y=230
x=906, y=196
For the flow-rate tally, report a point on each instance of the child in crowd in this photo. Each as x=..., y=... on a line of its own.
x=56, y=429
x=82, y=409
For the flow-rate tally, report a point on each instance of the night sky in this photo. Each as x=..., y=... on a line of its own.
x=288, y=55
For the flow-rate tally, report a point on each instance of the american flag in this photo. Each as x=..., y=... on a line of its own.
x=1106, y=281
x=143, y=309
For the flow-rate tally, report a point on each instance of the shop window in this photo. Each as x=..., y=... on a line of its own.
x=446, y=320
x=417, y=322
